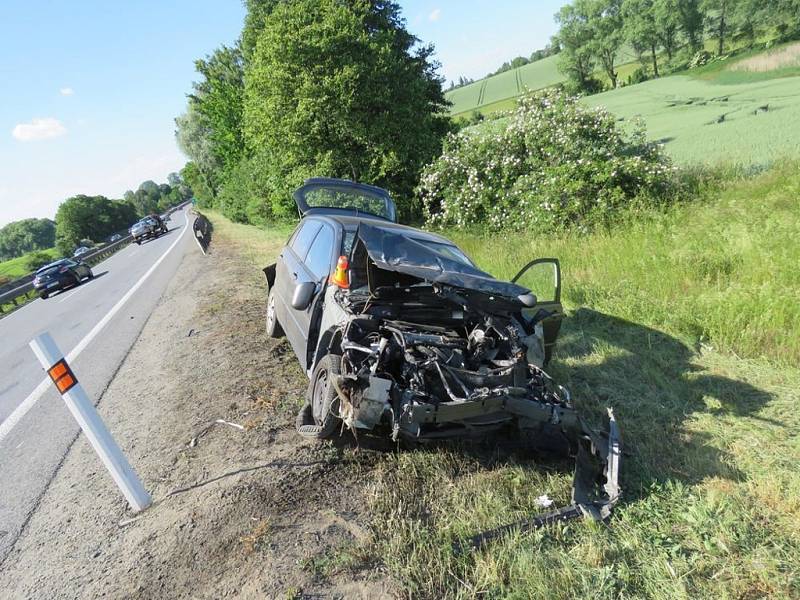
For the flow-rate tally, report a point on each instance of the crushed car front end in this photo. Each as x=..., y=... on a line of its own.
x=429, y=347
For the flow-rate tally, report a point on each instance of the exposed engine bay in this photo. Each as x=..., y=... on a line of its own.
x=426, y=360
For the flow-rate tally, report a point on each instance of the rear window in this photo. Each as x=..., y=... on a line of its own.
x=303, y=238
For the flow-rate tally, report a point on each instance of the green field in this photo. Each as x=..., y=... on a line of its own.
x=505, y=86
x=15, y=267
x=704, y=121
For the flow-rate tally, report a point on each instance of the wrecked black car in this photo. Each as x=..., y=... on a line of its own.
x=401, y=334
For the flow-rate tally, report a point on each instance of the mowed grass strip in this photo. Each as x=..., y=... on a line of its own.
x=685, y=322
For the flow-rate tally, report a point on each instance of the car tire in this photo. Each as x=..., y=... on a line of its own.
x=274, y=329
x=43, y=295
x=91, y=274
x=138, y=242
x=317, y=419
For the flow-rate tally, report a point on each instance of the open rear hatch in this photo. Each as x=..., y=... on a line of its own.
x=344, y=197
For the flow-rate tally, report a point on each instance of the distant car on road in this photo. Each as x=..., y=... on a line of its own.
x=150, y=227
x=60, y=275
x=114, y=238
x=80, y=251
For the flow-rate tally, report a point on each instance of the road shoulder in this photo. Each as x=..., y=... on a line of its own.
x=243, y=507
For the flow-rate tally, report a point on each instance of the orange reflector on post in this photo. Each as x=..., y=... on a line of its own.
x=340, y=276
x=57, y=370
x=65, y=383
x=62, y=376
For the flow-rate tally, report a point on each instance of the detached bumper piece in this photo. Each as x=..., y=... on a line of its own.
x=595, y=488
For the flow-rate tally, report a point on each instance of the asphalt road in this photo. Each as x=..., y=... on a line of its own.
x=95, y=325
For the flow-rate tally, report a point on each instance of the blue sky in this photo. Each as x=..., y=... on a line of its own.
x=89, y=88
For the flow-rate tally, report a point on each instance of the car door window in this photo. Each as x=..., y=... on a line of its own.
x=303, y=239
x=318, y=260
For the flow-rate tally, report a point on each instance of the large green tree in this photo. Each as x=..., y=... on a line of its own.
x=577, y=58
x=691, y=19
x=20, y=237
x=218, y=97
x=641, y=28
x=718, y=16
x=605, y=21
x=254, y=23
x=343, y=89
x=210, y=131
x=668, y=24
x=90, y=217
x=193, y=134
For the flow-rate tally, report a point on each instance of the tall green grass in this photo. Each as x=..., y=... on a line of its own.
x=722, y=273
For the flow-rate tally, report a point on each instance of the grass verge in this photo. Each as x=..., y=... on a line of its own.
x=686, y=322
x=17, y=267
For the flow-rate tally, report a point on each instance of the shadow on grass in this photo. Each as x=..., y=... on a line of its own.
x=656, y=387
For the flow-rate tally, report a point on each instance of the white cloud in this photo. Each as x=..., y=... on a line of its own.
x=39, y=129
x=435, y=15
x=66, y=91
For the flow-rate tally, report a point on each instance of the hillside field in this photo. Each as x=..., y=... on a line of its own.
x=687, y=322
x=704, y=121
x=505, y=86
x=14, y=268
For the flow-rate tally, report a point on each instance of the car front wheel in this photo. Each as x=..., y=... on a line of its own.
x=317, y=419
x=274, y=329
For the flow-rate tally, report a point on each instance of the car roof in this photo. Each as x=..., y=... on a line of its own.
x=53, y=264
x=350, y=222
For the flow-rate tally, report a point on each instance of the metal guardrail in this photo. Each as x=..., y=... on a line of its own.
x=202, y=231
x=23, y=287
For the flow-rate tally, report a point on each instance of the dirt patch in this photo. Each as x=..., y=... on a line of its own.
x=204, y=406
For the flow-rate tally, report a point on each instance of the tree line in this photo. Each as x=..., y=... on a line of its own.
x=87, y=220
x=665, y=35
x=312, y=87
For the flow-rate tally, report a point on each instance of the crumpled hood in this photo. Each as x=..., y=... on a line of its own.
x=395, y=250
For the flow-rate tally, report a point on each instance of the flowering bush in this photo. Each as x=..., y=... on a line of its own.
x=552, y=163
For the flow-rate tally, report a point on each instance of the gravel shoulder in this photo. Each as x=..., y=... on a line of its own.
x=243, y=508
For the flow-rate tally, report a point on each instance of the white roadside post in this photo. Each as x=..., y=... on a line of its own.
x=82, y=408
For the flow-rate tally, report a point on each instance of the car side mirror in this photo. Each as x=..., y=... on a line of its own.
x=303, y=293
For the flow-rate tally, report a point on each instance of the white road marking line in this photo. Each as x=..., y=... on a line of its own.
x=15, y=417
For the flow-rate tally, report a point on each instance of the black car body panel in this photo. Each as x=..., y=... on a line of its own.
x=403, y=252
